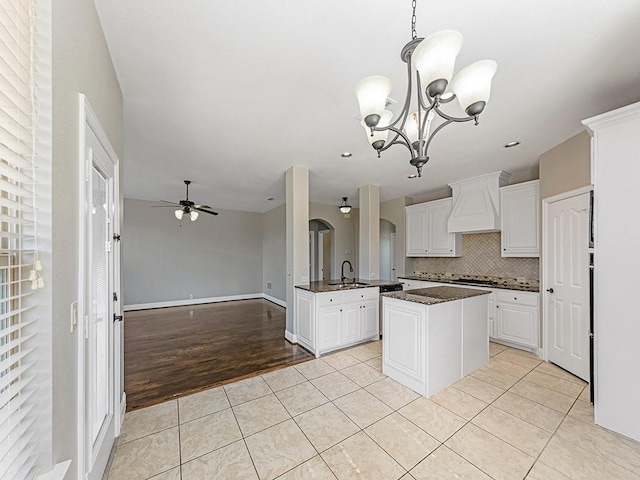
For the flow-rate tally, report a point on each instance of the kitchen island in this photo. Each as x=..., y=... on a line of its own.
x=434, y=336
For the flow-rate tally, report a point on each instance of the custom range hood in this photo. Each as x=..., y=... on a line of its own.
x=476, y=203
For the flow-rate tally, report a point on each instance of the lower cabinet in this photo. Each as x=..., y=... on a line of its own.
x=332, y=320
x=516, y=318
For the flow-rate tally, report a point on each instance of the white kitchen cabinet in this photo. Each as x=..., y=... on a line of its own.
x=328, y=321
x=516, y=319
x=520, y=219
x=427, y=235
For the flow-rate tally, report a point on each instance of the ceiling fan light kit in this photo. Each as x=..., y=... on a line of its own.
x=433, y=59
x=187, y=207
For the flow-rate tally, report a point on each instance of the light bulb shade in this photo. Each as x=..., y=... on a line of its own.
x=435, y=57
x=193, y=215
x=385, y=120
x=372, y=94
x=344, y=206
x=411, y=127
x=472, y=85
x=179, y=213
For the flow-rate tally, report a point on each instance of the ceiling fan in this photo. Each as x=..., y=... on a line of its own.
x=187, y=207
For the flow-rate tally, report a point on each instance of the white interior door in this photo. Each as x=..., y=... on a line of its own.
x=566, y=273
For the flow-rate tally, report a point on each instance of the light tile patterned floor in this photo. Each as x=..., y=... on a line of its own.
x=340, y=418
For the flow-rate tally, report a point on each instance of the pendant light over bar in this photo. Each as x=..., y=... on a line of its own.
x=433, y=59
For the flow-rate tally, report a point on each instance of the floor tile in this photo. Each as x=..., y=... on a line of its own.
x=358, y=457
x=437, y=421
x=554, y=383
x=300, y=398
x=173, y=474
x=522, y=435
x=510, y=356
x=278, y=449
x=363, y=374
x=284, y=378
x=540, y=471
x=232, y=461
x=493, y=456
x=620, y=450
x=314, y=469
x=524, y=353
x=246, y=390
x=407, y=476
x=209, y=433
x=479, y=389
x=458, y=402
x=444, y=464
x=392, y=393
x=258, y=414
x=551, y=369
x=335, y=385
x=341, y=360
x=495, y=377
x=585, y=396
x=203, y=403
x=375, y=363
x=147, y=456
x=326, y=426
x=406, y=443
x=495, y=348
x=549, y=398
x=376, y=346
x=314, y=368
x=507, y=367
x=582, y=411
x=146, y=421
x=529, y=411
x=364, y=352
x=362, y=407
x=578, y=463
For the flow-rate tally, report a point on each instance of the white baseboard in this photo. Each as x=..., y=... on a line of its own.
x=58, y=473
x=198, y=301
x=290, y=336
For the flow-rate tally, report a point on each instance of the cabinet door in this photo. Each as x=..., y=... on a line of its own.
x=305, y=319
x=517, y=323
x=329, y=320
x=416, y=225
x=369, y=319
x=351, y=323
x=439, y=241
x=520, y=220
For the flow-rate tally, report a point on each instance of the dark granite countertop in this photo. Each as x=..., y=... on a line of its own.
x=349, y=284
x=433, y=295
x=505, y=283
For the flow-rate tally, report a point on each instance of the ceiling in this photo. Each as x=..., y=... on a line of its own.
x=231, y=93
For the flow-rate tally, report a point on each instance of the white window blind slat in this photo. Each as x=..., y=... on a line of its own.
x=15, y=189
x=13, y=152
x=16, y=406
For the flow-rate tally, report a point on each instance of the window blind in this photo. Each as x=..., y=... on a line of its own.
x=20, y=269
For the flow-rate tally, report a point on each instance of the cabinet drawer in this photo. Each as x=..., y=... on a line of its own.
x=328, y=298
x=516, y=297
x=360, y=294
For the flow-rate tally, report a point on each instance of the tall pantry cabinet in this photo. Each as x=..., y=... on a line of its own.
x=615, y=147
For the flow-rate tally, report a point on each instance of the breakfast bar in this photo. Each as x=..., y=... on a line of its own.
x=434, y=336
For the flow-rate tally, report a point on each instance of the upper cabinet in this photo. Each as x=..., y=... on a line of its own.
x=427, y=234
x=520, y=219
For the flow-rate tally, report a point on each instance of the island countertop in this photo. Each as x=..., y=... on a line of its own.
x=335, y=285
x=434, y=295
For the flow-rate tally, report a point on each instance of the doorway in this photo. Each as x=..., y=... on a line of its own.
x=320, y=250
x=566, y=298
x=387, y=250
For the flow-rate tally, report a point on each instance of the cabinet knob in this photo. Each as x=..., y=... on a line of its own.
x=515, y=298
x=504, y=249
x=331, y=299
x=550, y=290
x=497, y=306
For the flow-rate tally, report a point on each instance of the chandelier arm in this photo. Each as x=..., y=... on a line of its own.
x=440, y=127
x=399, y=133
x=454, y=119
x=399, y=143
x=407, y=101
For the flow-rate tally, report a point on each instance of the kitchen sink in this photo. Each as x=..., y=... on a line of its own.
x=348, y=284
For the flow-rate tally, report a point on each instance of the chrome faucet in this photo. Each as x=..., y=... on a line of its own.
x=342, y=277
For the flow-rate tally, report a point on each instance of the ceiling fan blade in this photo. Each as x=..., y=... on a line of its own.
x=201, y=206
x=210, y=212
x=171, y=203
x=166, y=206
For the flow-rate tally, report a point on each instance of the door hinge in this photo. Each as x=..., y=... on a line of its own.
x=117, y=318
x=116, y=237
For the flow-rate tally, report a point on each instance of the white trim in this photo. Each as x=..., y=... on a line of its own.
x=59, y=472
x=612, y=118
x=198, y=301
x=123, y=411
x=290, y=336
x=543, y=352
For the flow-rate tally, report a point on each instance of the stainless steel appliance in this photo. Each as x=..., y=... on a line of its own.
x=395, y=287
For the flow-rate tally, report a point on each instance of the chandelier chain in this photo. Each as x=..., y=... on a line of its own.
x=413, y=20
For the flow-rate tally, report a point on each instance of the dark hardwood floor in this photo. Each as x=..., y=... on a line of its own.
x=176, y=351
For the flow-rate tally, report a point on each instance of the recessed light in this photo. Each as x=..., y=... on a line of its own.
x=270, y=199
x=345, y=154
x=512, y=144
x=413, y=175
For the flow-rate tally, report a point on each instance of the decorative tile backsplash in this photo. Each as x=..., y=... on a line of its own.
x=481, y=256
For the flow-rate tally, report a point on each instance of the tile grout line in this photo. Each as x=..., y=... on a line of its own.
x=241, y=435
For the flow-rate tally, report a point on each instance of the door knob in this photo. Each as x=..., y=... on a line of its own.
x=550, y=290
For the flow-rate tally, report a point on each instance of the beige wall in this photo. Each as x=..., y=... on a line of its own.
x=343, y=235
x=81, y=64
x=274, y=254
x=566, y=166
x=393, y=211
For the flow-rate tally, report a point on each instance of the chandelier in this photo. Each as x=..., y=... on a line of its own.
x=433, y=59
x=344, y=207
